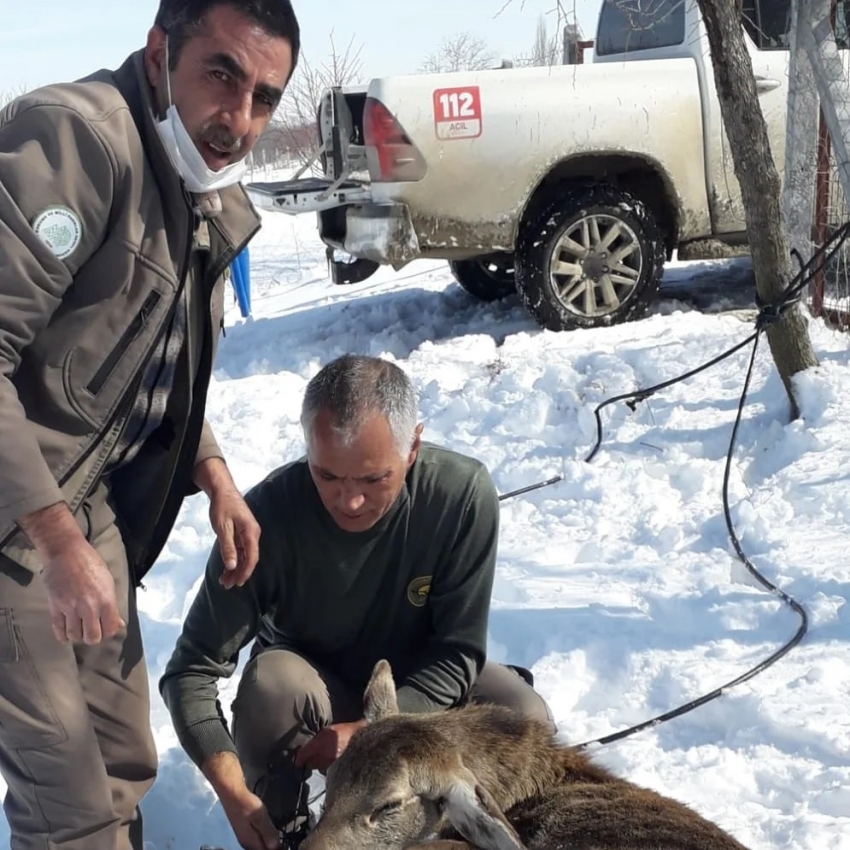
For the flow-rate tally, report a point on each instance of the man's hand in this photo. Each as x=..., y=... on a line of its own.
x=327, y=746
x=237, y=530
x=250, y=821
x=247, y=815
x=80, y=588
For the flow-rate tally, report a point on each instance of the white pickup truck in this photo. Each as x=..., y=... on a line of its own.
x=570, y=184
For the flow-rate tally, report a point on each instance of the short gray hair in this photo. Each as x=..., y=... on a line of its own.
x=354, y=388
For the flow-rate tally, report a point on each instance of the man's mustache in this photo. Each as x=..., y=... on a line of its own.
x=221, y=138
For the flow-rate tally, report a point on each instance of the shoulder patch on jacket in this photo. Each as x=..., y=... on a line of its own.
x=60, y=229
x=418, y=590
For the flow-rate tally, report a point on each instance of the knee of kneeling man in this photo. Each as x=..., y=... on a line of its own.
x=277, y=686
x=530, y=704
x=517, y=694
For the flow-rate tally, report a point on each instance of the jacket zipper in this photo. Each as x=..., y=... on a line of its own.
x=98, y=381
x=212, y=275
x=225, y=260
x=226, y=257
x=130, y=396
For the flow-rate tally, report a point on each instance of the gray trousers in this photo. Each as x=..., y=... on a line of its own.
x=283, y=700
x=76, y=749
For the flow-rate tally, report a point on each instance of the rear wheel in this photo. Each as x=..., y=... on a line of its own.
x=593, y=257
x=488, y=278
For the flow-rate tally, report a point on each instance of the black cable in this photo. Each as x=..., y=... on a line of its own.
x=768, y=314
x=642, y=395
x=790, y=601
x=635, y=397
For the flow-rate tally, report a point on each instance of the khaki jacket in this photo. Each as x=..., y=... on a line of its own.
x=95, y=245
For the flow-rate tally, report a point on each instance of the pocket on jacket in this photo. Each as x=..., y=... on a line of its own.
x=136, y=326
x=27, y=717
x=106, y=357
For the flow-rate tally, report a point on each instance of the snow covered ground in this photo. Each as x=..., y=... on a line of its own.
x=617, y=586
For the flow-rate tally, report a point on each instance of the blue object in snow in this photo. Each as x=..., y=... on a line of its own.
x=240, y=271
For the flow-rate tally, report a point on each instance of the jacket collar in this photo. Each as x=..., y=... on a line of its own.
x=238, y=220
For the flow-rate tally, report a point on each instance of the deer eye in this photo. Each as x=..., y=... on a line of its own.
x=382, y=811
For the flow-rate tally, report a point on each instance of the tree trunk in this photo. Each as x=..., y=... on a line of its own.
x=760, y=184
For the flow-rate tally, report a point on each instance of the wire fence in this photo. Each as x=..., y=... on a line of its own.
x=830, y=292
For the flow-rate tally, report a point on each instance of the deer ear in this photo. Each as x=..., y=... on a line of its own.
x=474, y=813
x=380, y=700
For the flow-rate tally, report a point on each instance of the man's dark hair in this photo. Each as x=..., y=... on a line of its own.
x=182, y=19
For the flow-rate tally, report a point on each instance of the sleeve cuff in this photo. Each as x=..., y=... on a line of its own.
x=205, y=739
x=208, y=446
x=12, y=512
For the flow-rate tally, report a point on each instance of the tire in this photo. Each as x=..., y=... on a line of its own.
x=587, y=292
x=487, y=278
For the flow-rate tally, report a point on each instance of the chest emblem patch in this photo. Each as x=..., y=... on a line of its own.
x=418, y=590
x=60, y=229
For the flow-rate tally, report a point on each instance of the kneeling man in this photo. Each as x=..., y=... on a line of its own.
x=375, y=545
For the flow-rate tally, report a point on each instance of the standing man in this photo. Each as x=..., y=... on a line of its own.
x=375, y=545
x=120, y=210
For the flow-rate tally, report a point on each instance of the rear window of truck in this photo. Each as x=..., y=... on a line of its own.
x=626, y=26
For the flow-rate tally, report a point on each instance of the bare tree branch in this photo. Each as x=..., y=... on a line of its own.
x=293, y=132
x=566, y=11
x=7, y=97
x=461, y=52
x=546, y=51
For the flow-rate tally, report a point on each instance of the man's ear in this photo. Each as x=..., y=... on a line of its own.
x=417, y=442
x=155, y=61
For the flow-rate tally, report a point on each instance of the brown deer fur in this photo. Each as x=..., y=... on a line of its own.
x=494, y=778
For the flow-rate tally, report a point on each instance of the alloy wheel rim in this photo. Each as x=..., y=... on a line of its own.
x=596, y=265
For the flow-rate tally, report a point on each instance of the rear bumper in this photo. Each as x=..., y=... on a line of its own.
x=382, y=233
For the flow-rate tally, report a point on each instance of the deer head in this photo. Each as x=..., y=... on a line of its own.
x=400, y=782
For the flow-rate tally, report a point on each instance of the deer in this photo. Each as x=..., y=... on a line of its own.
x=486, y=777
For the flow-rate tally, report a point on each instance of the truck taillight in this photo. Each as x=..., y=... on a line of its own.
x=392, y=157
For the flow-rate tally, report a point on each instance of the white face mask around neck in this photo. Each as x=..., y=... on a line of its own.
x=185, y=156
